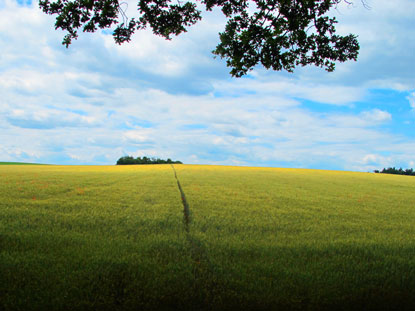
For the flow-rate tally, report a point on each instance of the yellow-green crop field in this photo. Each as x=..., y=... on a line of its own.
x=127, y=238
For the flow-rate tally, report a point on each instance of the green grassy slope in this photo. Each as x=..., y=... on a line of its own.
x=114, y=238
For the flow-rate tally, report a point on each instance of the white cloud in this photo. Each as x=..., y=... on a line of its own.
x=369, y=158
x=48, y=118
x=289, y=87
x=376, y=115
x=137, y=136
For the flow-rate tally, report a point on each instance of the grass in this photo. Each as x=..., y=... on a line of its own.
x=307, y=239
x=114, y=238
x=19, y=163
x=95, y=238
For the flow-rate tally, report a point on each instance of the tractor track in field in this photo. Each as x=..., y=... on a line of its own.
x=186, y=208
x=205, y=285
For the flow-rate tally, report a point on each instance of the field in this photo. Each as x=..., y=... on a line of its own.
x=18, y=163
x=128, y=238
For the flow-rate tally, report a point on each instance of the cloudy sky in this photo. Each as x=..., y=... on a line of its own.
x=97, y=101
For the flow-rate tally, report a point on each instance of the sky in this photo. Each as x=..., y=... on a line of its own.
x=96, y=101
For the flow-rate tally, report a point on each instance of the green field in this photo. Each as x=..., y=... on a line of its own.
x=117, y=238
x=18, y=163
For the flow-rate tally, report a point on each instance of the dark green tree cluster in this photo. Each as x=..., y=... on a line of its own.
x=128, y=160
x=400, y=171
x=277, y=34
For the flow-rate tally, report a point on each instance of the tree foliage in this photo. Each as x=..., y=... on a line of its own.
x=278, y=34
x=128, y=160
x=400, y=171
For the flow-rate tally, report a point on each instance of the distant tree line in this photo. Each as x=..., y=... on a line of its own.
x=128, y=160
x=400, y=171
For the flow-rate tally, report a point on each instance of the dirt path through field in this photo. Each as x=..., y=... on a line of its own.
x=186, y=209
x=205, y=280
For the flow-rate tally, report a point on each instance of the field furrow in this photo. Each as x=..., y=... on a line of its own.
x=204, y=278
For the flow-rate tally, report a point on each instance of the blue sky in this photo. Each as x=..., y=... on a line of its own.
x=97, y=101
